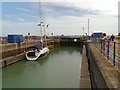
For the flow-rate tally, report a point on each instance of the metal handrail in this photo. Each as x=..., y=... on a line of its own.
x=105, y=49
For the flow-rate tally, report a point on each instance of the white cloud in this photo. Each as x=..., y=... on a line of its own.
x=106, y=21
x=73, y=25
x=105, y=6
x=23, y=27
x=34, y=16
x=23, y=9
x=69, y=17
x=48, y=9
x=65, y=25
x=21, y=19
x=108, y=7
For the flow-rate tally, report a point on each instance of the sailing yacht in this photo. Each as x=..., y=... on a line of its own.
x=33, y=53
x=36, y=53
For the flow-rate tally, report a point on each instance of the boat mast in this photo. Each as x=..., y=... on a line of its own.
x=41, y=22
x=45, y=35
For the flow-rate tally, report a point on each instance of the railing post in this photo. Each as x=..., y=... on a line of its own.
x=104, y=47
x=108, y=51
x=96, y=42
x=101, y=46
x=86, y=47
x=114, y=54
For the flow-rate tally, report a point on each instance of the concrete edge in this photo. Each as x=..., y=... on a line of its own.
x=84, y=76
x=13, y=59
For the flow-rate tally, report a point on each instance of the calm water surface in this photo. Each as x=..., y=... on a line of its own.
x=60, y=69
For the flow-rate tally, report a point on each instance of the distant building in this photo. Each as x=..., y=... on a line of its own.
x=15, y=38
x=97, y=34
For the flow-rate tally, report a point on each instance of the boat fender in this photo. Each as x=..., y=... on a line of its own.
x=24, y=52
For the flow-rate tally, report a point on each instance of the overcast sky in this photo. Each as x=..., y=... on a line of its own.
x=64, y=16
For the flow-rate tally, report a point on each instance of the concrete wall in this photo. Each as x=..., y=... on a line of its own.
x=71, y=42
x=11, y=53
x=12, y=49
x=11, y=60
x=103, y=74
x=11, y=46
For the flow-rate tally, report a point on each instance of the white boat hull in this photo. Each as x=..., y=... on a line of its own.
x=37, y=54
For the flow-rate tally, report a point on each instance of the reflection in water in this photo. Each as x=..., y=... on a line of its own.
x=60, y=69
